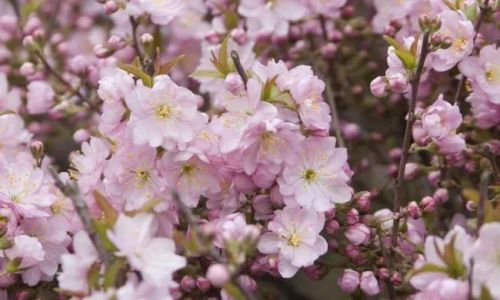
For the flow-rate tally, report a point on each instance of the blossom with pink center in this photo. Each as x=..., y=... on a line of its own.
x=40, y=97
x=75, y=266
x=90, y=163
x=132, y=177
x=441, y=119
x=25, y=188
x=153, y=256
x=162, y=115
x=294, y=237
x=486, y=113
x=190, y=174
x=484, y=71
x=318, y=178
x=461, y=32
x=160, y=11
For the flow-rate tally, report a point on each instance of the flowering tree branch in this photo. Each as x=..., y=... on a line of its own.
x=398, y=188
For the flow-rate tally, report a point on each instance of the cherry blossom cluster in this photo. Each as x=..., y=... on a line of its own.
x=216, y=149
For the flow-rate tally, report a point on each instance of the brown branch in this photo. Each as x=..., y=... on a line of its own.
x=483, y=197
x=330, y=98
x=135, y=41
x=415, y=84
x=71, y=191
x=239, y=68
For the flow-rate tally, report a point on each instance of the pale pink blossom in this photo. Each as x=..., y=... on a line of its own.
x=153, y=256
x=114, y=85
x=441, y=119
x=10, y=99
x=75, y=267
x=486, y=253
x=90, y=163
x=163, y=115
x=160, y=11
x=294, y=237
x=317, y=179
x=358, y=234
x=28, y=251
x=313, y=111
x=369, y=284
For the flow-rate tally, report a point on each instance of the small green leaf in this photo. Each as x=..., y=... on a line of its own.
x=407, y=58
x=207, y=73
x=470, y=11
x=169, y=65
x=93, y=276
x=110, y=214
x=137, y=72
x=450, y=5
x=114, y=272
x=485, y=294
x=223, y=56
x=234, y=291
x=429, y=268
x=101, y=228
x=393, y=42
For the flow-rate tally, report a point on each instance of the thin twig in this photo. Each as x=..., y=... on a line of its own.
x=239, y=68
x=71, y=191
x=64, y=81
x=330, y=97
x=415, y=84
x=192, y=221
x=388, y=259
x=491, y=157
x=135, y=41
x=483, y=197
x=483, y=9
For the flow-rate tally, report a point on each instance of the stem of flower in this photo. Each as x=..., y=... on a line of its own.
x=135, y=41
x=330, y=97
x=239, y=68
x=71, y=191
x=415, y=83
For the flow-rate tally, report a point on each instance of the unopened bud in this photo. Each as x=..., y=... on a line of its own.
x=38, y=152
x=428, y=204
x=27, y=69
x=446, y=43
x=203, y=284
x=379, y=86
x=239, y=35
x=414, y=210
x=396, y=279
x=352, y=216
x=110, y=7
x=188, y=283
x=218, y=275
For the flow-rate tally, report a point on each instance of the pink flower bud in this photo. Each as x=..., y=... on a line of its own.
x=358, y=234
x=398, y=83
x=27, y=69
x=218, y=275
x=363, y=202
x=233, y=83
x=116, y=42
x=31, y=25
x=441, y=195
x=212, y=37
x=110, y=7
x=349, y=281
x=332, y=226
x=351, y=131
x=101, y=51
x=396, y=279
x=428, y=204
x=239, y=35
x=352, y=216
x=379, y=86
x=81, y=135
x=352, y=251
x=434, y=177
x=369, y=284
x=414, y=210
x=248, y=283
x=395, y=154
x=8, y=23
x=383, y=273
x=188, y=283
x=411, y=171
x=328, y=50
x=203, y=284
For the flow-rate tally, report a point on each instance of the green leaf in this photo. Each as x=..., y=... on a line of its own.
x=110, y=214
x=115, y=272
x=470, y=11
x=234, y=291
x=93, y=275
x=231, y=19
x=223, y=56
x=450, y=5
x=207, y=73
x=429, y=268
x=485, y=294
x=137, y=72
x=28, y=8
x=407, y=58
x=101, y=228
x=169, y=65
x=393, y=42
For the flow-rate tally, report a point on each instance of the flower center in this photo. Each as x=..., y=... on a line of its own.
x=188, y=169
x=142, y=175
x=309, y=175
x=460, y=44
x=491, y=75
x=294, y=240
x=163, y=112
